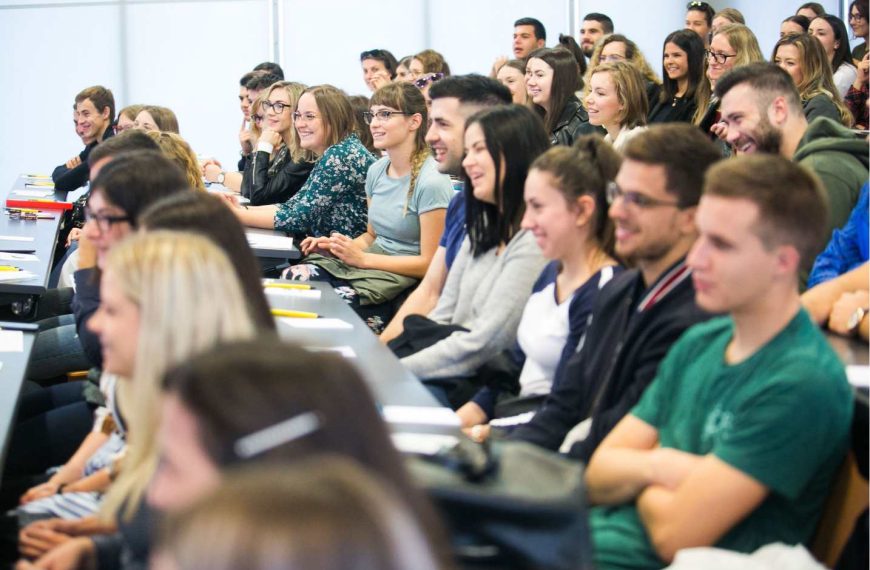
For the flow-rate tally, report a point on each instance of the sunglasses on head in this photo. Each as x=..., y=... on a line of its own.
x=427, y=79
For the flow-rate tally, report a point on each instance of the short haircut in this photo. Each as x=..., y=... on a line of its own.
x=685, y=153
x=471, y=89
x=385, y=57
x=603, y=19
x=703, y=7
x=540, y=31
x=792, y=208
x=814, y=6
x=243, y=82
x=261, y=81
x=135, y=180
x=801, y=21
x=100, y=97
x=270, y=67
x=128, y=141
x=767, y=81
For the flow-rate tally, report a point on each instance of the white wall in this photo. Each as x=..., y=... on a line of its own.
x=189, y=54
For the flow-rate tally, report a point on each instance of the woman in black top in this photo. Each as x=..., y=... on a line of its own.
x=684, y=81
x=552, y=78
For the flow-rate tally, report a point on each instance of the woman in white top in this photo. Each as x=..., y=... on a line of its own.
x=616, y=100
x=832, y=34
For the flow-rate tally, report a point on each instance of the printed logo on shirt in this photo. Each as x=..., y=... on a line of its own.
x=718, y=424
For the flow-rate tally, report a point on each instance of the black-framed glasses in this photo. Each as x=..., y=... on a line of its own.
x=427, y=79
x=104, y=221
x=718, y=56
x=636, y=199
x=855, y=17
x=277, y=106
x=383, y=115
x=307, y=117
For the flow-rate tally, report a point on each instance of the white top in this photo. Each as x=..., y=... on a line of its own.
x=624, y=136
x=844, y=77
x=541, y=335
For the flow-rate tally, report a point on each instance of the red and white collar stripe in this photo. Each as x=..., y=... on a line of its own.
x=665, y=285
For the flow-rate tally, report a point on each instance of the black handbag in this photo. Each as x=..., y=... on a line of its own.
x=510, y=504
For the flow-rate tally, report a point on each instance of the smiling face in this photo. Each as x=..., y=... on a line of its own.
x=514, y=80
x=146, y=122
x=445, y=134
x=602, y=103
x=244, y=103
x=392, y=132
x=676, y=62
x=479, y=165
x=539, y=82
x=590, y=32
x=731, y=267
x=858, y=23
x=372, y=69
x=788, y=58
x=696, y=20
x=525, y=41
x=789, y=27
x=614, y=51
x=749, y=128
x=719, y=45
x=552, y=220
x=309, y=125
x=404, y=74
x=281, y=122
x=116, y=323
x=822, y=31
x=184, y=472
x=91, y=123
x=125, y=123
x=103, y=231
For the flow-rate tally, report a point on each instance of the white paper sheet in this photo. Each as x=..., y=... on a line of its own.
x=6, y=256
x=16, y=238
x=34, y=193
x=11, y=341
x=421, y=415
x=6, y=276
x=859, y=376
x=320, y=324
x=265, y=241
x=422, y=443
x=313, y=294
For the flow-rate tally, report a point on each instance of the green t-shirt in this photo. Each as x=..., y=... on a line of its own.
x=782, y=416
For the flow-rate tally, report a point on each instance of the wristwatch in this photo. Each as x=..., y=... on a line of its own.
x=856, y=318
x=221, y=177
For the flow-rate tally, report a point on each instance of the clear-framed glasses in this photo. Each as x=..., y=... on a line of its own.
x=636, y=199
x=307, y=117
x=104, y=222
x=718, y=56
x=382, y=115
x=427, y=79
x=277, y=106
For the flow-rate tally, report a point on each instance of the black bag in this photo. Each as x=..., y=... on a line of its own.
x=509, y=505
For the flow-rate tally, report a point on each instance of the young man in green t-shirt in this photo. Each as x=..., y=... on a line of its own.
x=735, y=442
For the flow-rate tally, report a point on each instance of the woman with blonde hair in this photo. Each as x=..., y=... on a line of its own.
x=157, y=309
x=803, y=57
x=407, y=203
x=127, y=118
x=333, y=198
x=178, y=151
x=616, y=100
x=277, y=169
x=156, y=118
x=512, y=75
x=428, y=61
x=617, y=47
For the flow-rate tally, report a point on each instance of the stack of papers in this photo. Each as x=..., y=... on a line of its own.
x=320, y=323
x=269, y=241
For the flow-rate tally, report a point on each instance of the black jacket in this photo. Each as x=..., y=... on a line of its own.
x=275, y=183
x=619, y=357
x=573, y=123
x=85, y=303
x=68, y=179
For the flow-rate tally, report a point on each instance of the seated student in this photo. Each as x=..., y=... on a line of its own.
x=858, y=93
x=794, y=25
x=276, y=170
x=595, y=26
x=727, y=16
x=642, y=312
x=512, y=74
x=360, y=104
x=403, y=72
x=848, y=247
x=156, y=118
x=407, y=201
x=478, y=312
x=93, y=112
x=617, y=47
x=333, y=197
x=379, y=68
x=127, y=118
x=811, y=10
x=272, y=68
x=428, y=61
x=832, y=35
x=566, y=210
x=157, y=310
x=178, y=151
x=453, y=100
x=552, y=77
x=699, y=19
x=858, y=21
x=802, y=57
x=615, y=100
x=326, y=513
x=684, y=84
x=529, y=35
x=711, y=456
x=842, y=303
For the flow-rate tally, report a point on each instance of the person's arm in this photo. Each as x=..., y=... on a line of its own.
x=819, y=300
x=87, y=300
x=254, y=216
x=67, y=179
x=71, y=471
x=431, y=228
x=423, y=299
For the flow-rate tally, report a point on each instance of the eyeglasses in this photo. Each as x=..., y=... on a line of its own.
x=257, y=118
x=307, y=117
x=427, y=79
x=636, y=199
x=611, y=57
x=719, y=57
x=104, y=221
x=369, y=116
x=277, y=106
x=855, y=17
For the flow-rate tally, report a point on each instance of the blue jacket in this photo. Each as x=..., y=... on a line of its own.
x=848, y=247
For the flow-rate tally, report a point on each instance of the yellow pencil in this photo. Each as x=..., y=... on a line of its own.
x=295, y=314
x=8, y=268
x=301, y=286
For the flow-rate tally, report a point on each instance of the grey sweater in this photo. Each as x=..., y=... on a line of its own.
x=486, y=295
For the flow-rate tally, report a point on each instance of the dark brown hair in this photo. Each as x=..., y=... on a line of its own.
x=100, y=97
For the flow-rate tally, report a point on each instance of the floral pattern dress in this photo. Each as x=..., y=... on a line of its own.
x=334, y=197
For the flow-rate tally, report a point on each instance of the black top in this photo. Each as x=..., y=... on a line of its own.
x=573, y=123
x=68, y=179
x=678, y=109
x=275, y=182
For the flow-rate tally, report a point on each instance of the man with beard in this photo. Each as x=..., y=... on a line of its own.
x=762, y=111
x=595, y=26
x=642, y=312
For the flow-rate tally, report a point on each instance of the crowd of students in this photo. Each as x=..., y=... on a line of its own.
x=572, y=252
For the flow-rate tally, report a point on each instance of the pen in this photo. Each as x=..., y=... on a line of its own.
x=296, y=314
x=301, y=286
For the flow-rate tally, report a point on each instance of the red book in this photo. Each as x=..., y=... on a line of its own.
x=38, y=204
